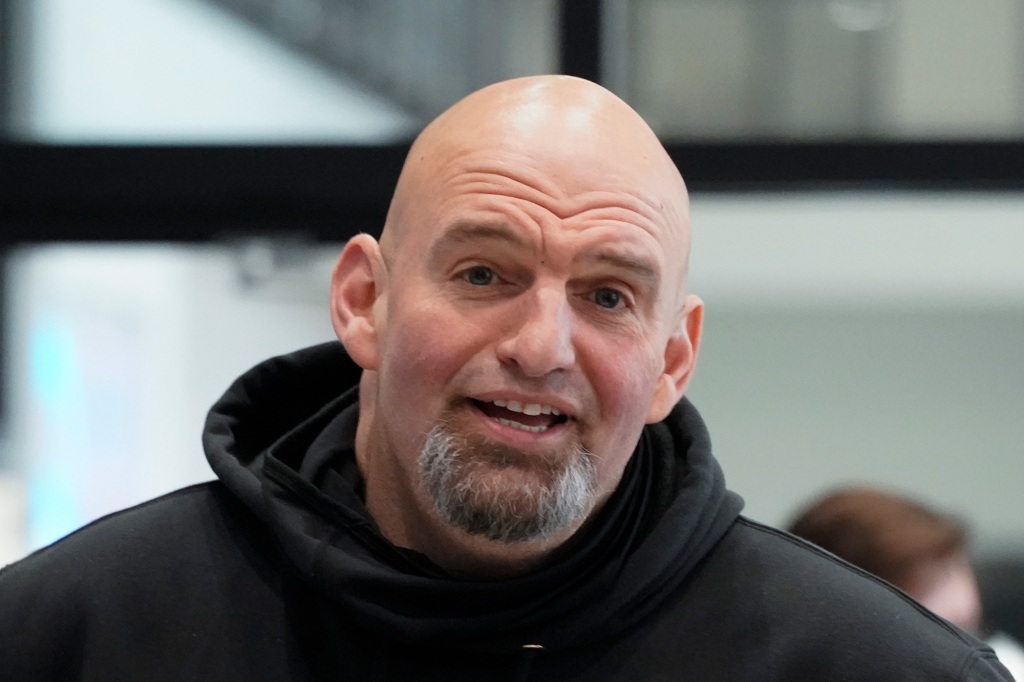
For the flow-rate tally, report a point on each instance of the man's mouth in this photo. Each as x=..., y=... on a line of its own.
x=533, y=417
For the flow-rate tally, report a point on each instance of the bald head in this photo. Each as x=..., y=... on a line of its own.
x=580, y=137
x=550, y=117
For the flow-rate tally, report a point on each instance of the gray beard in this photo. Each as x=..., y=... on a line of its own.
x=449, y=468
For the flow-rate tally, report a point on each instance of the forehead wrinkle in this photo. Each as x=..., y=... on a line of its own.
x=627, y=206
x=478, y=186
x=618, y=199
x=613, y=216
x=499, y=177
x=614, y=206
x=502, y=172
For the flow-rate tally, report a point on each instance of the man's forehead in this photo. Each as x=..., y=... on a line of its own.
x=489, y=202
x=627, y=249
x=557, y=135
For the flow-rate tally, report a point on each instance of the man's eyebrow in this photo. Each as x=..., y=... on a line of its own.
x=462, y=233
x=640, y=267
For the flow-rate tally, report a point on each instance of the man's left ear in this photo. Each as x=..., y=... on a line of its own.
x=680, y=357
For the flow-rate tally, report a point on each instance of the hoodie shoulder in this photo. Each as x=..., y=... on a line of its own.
x=137, y=584
x=818, y=617
x=193, y=527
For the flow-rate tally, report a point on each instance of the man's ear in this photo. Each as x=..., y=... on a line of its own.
x=358, y=281
x=680, y=357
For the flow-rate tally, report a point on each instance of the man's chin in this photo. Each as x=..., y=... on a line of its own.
x=502, y=494
x=518, y=490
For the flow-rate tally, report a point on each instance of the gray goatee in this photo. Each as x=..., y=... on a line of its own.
x=451, y=470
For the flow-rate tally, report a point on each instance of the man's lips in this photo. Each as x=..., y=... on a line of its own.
x=533, y=417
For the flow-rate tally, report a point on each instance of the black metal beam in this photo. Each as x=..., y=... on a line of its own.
x=190, y=194
x=580, y=38
x=871, y=165
x=194, y=194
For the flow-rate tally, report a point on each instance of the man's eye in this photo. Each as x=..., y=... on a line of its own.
x=479, y=276
x=607, y=298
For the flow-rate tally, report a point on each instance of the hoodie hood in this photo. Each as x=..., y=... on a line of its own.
x=281, y=439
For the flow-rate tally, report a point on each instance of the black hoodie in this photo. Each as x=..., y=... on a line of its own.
x=277, y=572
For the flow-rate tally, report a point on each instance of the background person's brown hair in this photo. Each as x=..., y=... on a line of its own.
x=883, y=533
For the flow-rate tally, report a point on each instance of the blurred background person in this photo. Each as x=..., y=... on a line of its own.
x=920, y=550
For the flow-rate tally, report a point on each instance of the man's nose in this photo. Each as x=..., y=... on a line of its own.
x=540, y=340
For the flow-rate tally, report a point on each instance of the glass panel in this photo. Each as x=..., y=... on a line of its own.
x=814, y=69
x=341, y=71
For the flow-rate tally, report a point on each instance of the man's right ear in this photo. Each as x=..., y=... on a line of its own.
x=358, y=280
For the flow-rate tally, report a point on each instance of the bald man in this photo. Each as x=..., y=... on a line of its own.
x=494, y=474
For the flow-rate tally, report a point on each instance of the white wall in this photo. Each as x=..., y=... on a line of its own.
x=924, y=401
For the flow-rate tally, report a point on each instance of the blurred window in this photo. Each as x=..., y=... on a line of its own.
x=335, y=71
x=820, y=69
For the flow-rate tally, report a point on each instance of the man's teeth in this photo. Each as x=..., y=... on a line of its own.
x=522, y=427
x=532, y=409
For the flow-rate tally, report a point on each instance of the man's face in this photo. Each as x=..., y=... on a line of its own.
x=520, y=321
x=527, y=312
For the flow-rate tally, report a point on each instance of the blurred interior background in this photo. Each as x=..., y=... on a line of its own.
x=177, y=176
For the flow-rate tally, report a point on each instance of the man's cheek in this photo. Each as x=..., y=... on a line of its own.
x=629, y=388
x=417, y=342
